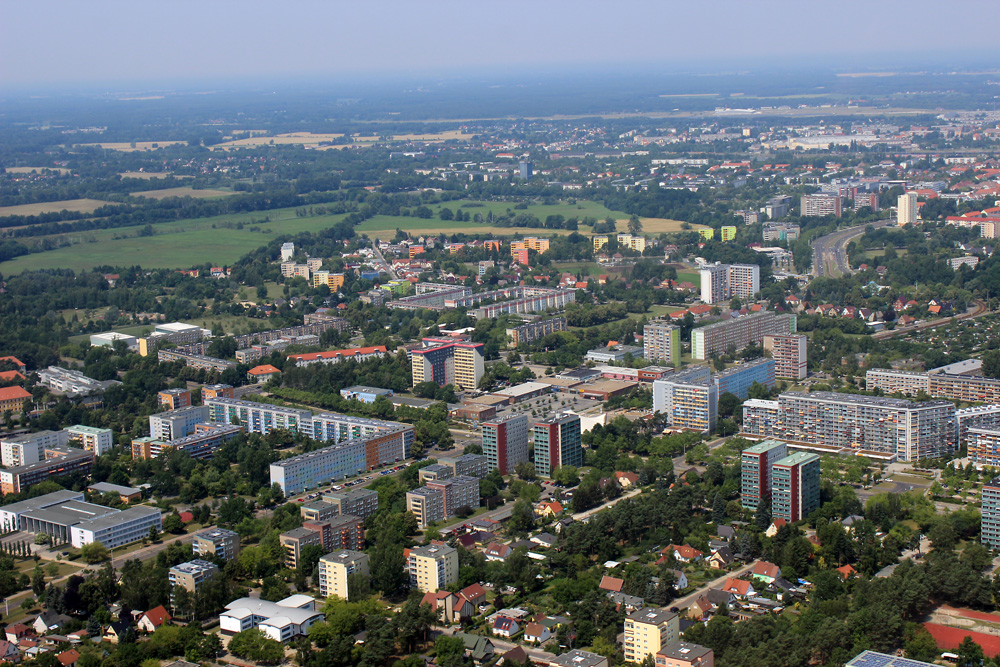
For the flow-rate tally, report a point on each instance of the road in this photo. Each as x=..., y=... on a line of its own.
x=830, y=251
x=686, y=601
x=591, y=512
x=978, y=310
x=388, y=266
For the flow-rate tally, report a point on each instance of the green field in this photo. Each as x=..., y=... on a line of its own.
x=215, y=240
x=692, y=277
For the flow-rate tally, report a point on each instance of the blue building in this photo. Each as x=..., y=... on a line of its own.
x=738, y=379
x=366, y=394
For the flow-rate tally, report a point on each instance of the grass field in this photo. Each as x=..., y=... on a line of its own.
x=81, y=205
x=149, y=175
x=689, y=277
x=331, y=140
x=182, y=192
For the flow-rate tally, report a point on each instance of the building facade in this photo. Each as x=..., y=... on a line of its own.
x=505, y=442
x=647, y=631
x=218, y=542
x=432, y=567
x=738, y=379
x=821, y=204
x=795, y=486
x=719, y=337
x=336, y=567
x=789, y=352
x=906, y=209
x=557, y=443
x=755, y=472
x=90, y=438
x=175, y=424
x=990, y=522
x=444, y=362
x=661, y=342
x=689, y=398
x=532, y=331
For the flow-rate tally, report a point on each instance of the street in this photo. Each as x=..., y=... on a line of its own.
x=830, y=251
x=686, y=601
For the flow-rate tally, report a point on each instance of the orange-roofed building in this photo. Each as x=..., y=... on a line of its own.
x=14, y=398
x=739, y=587
x=263, y=373
x=17, y=362
x=612, y=584
x=847, y=571
x=11, y=376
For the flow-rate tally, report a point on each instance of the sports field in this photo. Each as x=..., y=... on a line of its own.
x=182, y=192
x=81, y=205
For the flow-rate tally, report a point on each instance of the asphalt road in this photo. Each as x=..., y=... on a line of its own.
x=830, y=251
x=686, y=601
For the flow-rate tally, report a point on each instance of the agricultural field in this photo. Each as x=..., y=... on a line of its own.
x=385, y=226
x=38, y=170
x=333, y=140
x=149, y=175
x=659, y=225
x=81, y=205
x=128, y=147
x=183, y=192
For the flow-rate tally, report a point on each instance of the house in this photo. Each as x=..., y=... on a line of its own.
x=700, y=609
x=475, y=594
x=48, y=621
x=479, y=648
x=684, y=553
x=719, y=598
x=451, y=608
x=116, y=631
x=764, y=571
x=550, y=508
x=153, y=619
x=17, y=632
x=720, y=558
x=546, y=540
x=627, y=479
x=68, y=658
x=263, y=373
x=629, y=602
x=680, y=579
x=496, y=551
x=739, y=587
x=849, y=521
x=725, y=532
x=9, y=652
x=536, y=632
x=516, y=656
x=613, y=584
x=505, y=627
x=772, y=530
x=847, y=571
x=562, y=523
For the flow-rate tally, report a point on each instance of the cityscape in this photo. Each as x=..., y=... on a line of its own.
x=424, y=335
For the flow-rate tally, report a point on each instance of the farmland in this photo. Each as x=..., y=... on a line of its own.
x=182, y=192
x=128, y=147
x=81, y=205
x=333, y=140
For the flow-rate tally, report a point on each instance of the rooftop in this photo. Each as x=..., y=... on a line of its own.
x=798, y=458
x=762, y=447
x=344, y=556
x=196, y=566
x=112, y=520
x=684, y=651
x=104, y=487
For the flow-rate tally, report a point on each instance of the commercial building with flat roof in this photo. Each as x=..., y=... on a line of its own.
x=126, y=494
x=219, y=542
x=795, y=486
x=505, y=442
x=364, y=394
x=58, y=461
x=115, y=530
x=10, y=515
x=524, y=391
x=281, y=621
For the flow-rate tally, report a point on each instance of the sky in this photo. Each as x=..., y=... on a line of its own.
x=51, y=43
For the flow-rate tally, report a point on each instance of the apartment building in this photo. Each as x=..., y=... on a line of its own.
x=557, y=443
x=661, y=342
x=174, y=399
x=445, y=361
x=953, y=386
x=21, y=450
x=689, y=398
x=505, y=442
x=780, y=231
x=755, y=472
x=820, y=204
x=432, y=567
x=336, y=567
x=14, y=399
x=869, y=199
x=637, y=243
x=175, y=424
x=356, y=502
x=469, y=465
x=190, y=576
x=426, y=504
x=600, y=241
x=906, y=209
x=990, y=522
x=647, y=631
x=980, y=416
x=738, y=379
x=57, y=462
x=795, y=486
x=458, y=493
x=790, y=354
x=684, y=654
x=530, y=243
x=334, y=281
x=737, y=333
x=217, y=391
x=342, y=532
x=532, y=331
x=201, y=444
x=714, y=283
x=911, y=431
x=90, y=438
x=336, y=356
x=984, y=446
x=892, y=381
x=219, y=542
x=259, y=418
x=194, y=360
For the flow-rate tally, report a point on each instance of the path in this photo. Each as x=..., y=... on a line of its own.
x=686, y=601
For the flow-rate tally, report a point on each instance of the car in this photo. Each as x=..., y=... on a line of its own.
x=301, y=500
x=337, y=487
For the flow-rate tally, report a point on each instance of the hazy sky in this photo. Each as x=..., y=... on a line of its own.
x=44, y=42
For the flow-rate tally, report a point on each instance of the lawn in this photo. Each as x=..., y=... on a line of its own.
x=81, y=205
x=692, y=277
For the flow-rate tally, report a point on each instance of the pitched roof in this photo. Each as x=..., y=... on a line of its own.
x=157, y=616
x=847, y=571
x=612, y=584
x=12, y=393
x=684, y=551
x=738, y=586
x=68, y=657
x=265, y=369
x=534, y=630
x=765, y=569
x=474, y=591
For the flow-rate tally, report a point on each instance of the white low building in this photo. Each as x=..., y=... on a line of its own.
x=282, y=621
x=117, y=529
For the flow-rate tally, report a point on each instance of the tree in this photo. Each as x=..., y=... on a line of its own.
x=255, y=646
x=94, y=552
x=172, y=523
x=718, y=509
x=991, y=364
x=970, y=654
x=522, y=518
x=762, y=518
x=634, y=225
x=728, y=404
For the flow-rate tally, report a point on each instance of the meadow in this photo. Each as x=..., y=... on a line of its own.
x=183, y=192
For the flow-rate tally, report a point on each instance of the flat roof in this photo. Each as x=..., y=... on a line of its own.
x=196, y=566
x=522, y=389
x=560, y=382
x=764, y=446
x=130, y=514
x=104, y=487
x=344, y=556
x=959, y=367
x=216, y=533
x=244, y=607
x=362, y=389
x=610, y=385
x=92, y=430
x=69, y=513
x=651, y=615
x=797, y=458
x=175, y=327
x=683, y=651
x=41, y=502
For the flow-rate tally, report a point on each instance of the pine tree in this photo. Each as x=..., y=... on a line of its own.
x=718, y=509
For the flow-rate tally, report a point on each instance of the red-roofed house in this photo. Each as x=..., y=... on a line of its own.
x=451, y=608
x=18, y=631
x=263, y=373
x=153, y=619
x=68, y=658
x=334, y=356
x=11, y=376
x=475, y=594
x=627, y=479
x=684, y=553
x=550, y=508
x=612, y=584
x=17, y=362
x=772, y=530
x=739, y=587
x=14, y=398
x=847, y=571
x=766, y=572
x=495, y=551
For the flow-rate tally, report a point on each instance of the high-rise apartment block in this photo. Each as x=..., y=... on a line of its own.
x=821, y=204
x=738, y=379
x=906, y=209
x=175, y=424
x=557, y=443
x=505, y=442
x=432, y=567
x=336, y=567
x=661, y=342
x=174, y=399
x=689, y=398
x=909, y=430
x=218, y=542
x=530, y=243
x=789, y=352
x=531, y=331
x=357, y=502
x=90, y=438
x=755, y=472
x=444, y=361
x=795, y=486
x=990, y=522
x=719, y=337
